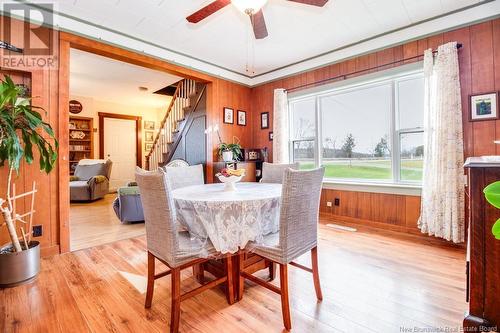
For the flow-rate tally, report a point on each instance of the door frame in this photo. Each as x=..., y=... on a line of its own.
x=67, y=41
x=138, y=133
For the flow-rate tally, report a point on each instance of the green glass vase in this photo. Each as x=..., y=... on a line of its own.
x=492, y=195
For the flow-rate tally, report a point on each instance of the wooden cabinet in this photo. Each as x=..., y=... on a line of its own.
x=483, y=250
x=81, y=140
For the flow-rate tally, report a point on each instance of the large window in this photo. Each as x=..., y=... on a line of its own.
x=365, y=132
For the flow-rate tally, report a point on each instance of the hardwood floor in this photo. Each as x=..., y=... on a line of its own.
x=95, y=223
x=371, y=283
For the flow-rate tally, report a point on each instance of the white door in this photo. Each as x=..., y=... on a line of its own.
x=120, y=148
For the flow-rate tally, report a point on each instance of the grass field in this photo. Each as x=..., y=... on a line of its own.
x=361, y=169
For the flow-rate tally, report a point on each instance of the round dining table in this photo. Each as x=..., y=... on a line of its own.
x=229, y=219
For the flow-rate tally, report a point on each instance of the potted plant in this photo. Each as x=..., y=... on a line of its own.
x=21, y=130
x=492, y=195
x=229, y=152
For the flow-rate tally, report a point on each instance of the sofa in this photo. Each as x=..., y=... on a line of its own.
x=90, y=180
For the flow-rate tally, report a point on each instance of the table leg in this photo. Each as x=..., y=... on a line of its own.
x=199, y=273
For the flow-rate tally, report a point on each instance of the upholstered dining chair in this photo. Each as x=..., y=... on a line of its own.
x=182, y=176
x=174, y=249
x=273, y=173
x=298, y=234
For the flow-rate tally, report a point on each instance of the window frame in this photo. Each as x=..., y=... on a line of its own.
x=395, y=132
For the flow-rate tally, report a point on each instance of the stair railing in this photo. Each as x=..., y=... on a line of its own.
x=168, y=126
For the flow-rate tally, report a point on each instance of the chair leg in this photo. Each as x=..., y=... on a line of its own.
x=285, y=303
x=241, y=283
x=314, y=261
x=151, y=280
x=229, y=282
x=272, y=271
x=175, y=310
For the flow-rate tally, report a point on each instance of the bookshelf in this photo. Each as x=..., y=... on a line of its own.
x=81, y=140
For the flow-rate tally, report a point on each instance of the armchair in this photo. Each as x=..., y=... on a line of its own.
x=91, y=181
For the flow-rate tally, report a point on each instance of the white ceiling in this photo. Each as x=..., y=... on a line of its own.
x=223, y=44
x=115, y=81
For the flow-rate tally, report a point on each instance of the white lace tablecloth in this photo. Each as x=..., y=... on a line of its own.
x=229, y=219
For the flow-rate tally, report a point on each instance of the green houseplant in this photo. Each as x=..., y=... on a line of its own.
x=228, y=151
x=22, y=130
x=492, y=195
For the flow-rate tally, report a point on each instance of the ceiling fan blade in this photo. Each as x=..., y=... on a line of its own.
x=259, y=25
x=318, y=3
x=207, y=10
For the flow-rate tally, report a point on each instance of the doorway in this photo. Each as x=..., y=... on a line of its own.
x=119, y=146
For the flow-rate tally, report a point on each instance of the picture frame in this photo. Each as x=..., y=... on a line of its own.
x=271, y=136
x=149, y=136
x=264, y=120
x=242, y=118
x=483, y=106
x=149, y=125
x=148, y=146
x=228, y=115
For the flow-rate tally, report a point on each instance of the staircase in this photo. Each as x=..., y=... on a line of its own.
x=183, y=104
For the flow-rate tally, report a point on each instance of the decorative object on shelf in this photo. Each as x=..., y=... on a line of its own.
x=228, y=116
x=148, y=147
x=22, y=129
x=72, y=125
x=78, y=135
x=492, y=195
x=149, y=136
x=230, y=151
x=483, y=107
x=230, y=177
x=271, y=136
x=84, y=126
x=242, y=118
x=75, y=107
x=264, y=120
x=149, y=125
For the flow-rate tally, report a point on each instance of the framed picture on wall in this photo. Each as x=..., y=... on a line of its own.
x=148, y=136
x=228, y=116
x=149, y=125
x=484, y=106
x=271, y=136
x=242, y=118
x=264, y=120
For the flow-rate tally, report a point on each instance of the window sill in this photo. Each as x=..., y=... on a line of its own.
x=388, y=188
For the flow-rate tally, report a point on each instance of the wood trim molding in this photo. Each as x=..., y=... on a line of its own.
x=138, y=133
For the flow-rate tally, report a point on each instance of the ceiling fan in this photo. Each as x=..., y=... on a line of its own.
x=253, y=8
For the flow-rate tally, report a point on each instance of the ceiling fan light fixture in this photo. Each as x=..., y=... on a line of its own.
x=249, y=6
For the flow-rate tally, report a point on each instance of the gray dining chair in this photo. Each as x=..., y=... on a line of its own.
x=298, y=234
x=273, y=173
x=182, y=176
x=174, y=249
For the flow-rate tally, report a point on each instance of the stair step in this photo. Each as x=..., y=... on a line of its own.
x=181, y=120
x=175, y=131
x=186, y=108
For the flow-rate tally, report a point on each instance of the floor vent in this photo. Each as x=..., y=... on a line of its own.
x=341, y=227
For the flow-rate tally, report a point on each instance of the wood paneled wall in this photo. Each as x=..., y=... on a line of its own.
x=222, y=94
x=44, y=92
x=479, y=73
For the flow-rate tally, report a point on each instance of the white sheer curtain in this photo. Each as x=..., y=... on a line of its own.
x=442, y=211
x=281, y=152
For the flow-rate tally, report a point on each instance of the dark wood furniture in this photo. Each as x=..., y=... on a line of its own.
x=80, y=148
x=483, y=250
x=176, y=296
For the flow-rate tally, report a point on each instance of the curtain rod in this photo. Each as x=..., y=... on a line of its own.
x=344, y=76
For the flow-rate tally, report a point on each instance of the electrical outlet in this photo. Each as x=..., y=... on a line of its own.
x=328, y=204
x=37, y=231
x=337, y=202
